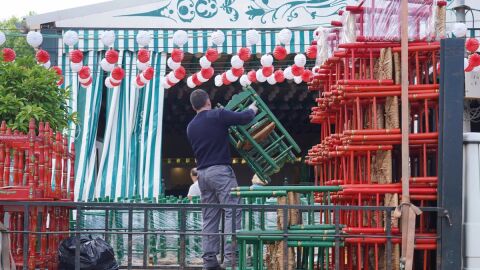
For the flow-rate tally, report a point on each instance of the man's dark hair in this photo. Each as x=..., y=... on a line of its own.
x=193, y=172
x=198, y=99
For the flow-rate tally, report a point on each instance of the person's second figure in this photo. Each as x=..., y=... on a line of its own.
x=208, y=135
x=194, y=190
x=257, y=182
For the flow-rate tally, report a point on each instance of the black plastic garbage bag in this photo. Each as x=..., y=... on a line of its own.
x=95, y=254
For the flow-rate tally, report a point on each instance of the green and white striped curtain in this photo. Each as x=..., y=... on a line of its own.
x=130, y=160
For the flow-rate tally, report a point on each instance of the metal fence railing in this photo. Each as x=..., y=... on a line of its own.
x=140, y=256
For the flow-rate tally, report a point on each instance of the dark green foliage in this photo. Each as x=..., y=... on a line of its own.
x=28, y=90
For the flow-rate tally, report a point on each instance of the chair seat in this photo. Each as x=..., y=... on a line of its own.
x=258, y=135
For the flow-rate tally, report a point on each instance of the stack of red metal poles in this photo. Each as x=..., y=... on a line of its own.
x=360, y=148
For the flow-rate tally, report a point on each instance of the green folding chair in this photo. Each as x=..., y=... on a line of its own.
x=264, y=143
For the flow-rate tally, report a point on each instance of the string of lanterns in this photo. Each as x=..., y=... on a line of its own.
x=211, y=56
x=473, y=60
x=236, y=72
x=267, y=73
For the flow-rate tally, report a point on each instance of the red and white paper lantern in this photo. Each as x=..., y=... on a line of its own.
x=111, y=56
x=271, y=80
x=279, y=76
x=59, y=72
x=287, y=73
x=236, y=62
x=212, y=55
x=300, y=60
x=76, y=56
x=42, y=56
x=207, y=72
x=204, y=63
x=297, y=70
x=84, y=74
x=76, y=59
x=237, y=72
x=218, y=81
x=8, y=54
x=230, y=77
x=266, y=60
x=106, y=66
x=180, y=37
x=280, y=52
x=312, y=51
x=259, y=76
x=307, y=75
x=267, y=71
x=177, y=55
x=298, y=79
x=252, y=76
x=244, y=54
x=244, y=81
x=172, y=64
x=143, y=55
x=190, y=82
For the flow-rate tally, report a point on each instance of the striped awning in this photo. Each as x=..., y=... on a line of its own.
x=198, y=41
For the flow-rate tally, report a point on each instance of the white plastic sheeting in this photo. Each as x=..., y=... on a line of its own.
x=471, y=200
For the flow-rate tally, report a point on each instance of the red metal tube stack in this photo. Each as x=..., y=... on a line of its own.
x=359, y=112
x=34, y=167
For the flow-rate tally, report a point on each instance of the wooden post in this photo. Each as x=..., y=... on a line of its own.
x=407, y=214
x=404, y=99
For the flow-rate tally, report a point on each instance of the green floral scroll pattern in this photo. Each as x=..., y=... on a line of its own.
x=162, y=12
x=267, y=11
x=187, y=10
x=227, y=7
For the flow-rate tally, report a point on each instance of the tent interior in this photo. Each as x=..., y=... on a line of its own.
x=289, y=102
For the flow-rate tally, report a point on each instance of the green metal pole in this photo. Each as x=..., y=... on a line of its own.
x=313, y=227
x=260, y=260
x=241, y=262
x=311, y=256
x=298, y=189
x=310, y=244
x=259, y=193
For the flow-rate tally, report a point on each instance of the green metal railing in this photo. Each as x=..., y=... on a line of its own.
x=259, y=228
x=161, y=248
x=312, y=237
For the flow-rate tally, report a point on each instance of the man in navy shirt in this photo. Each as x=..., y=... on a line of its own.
x=208, y=135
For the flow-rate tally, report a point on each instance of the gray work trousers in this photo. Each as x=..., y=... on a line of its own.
x=215, y=184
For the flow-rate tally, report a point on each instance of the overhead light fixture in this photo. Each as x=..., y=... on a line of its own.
x=169, y=161
x=243, y=161
x=179, y=160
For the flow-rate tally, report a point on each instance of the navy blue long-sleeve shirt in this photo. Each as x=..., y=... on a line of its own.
x=208, y=135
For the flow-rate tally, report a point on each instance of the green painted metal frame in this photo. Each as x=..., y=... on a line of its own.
x=266, y=157
x=308, y=236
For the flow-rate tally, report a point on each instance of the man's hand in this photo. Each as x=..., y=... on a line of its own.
x=253, y=107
